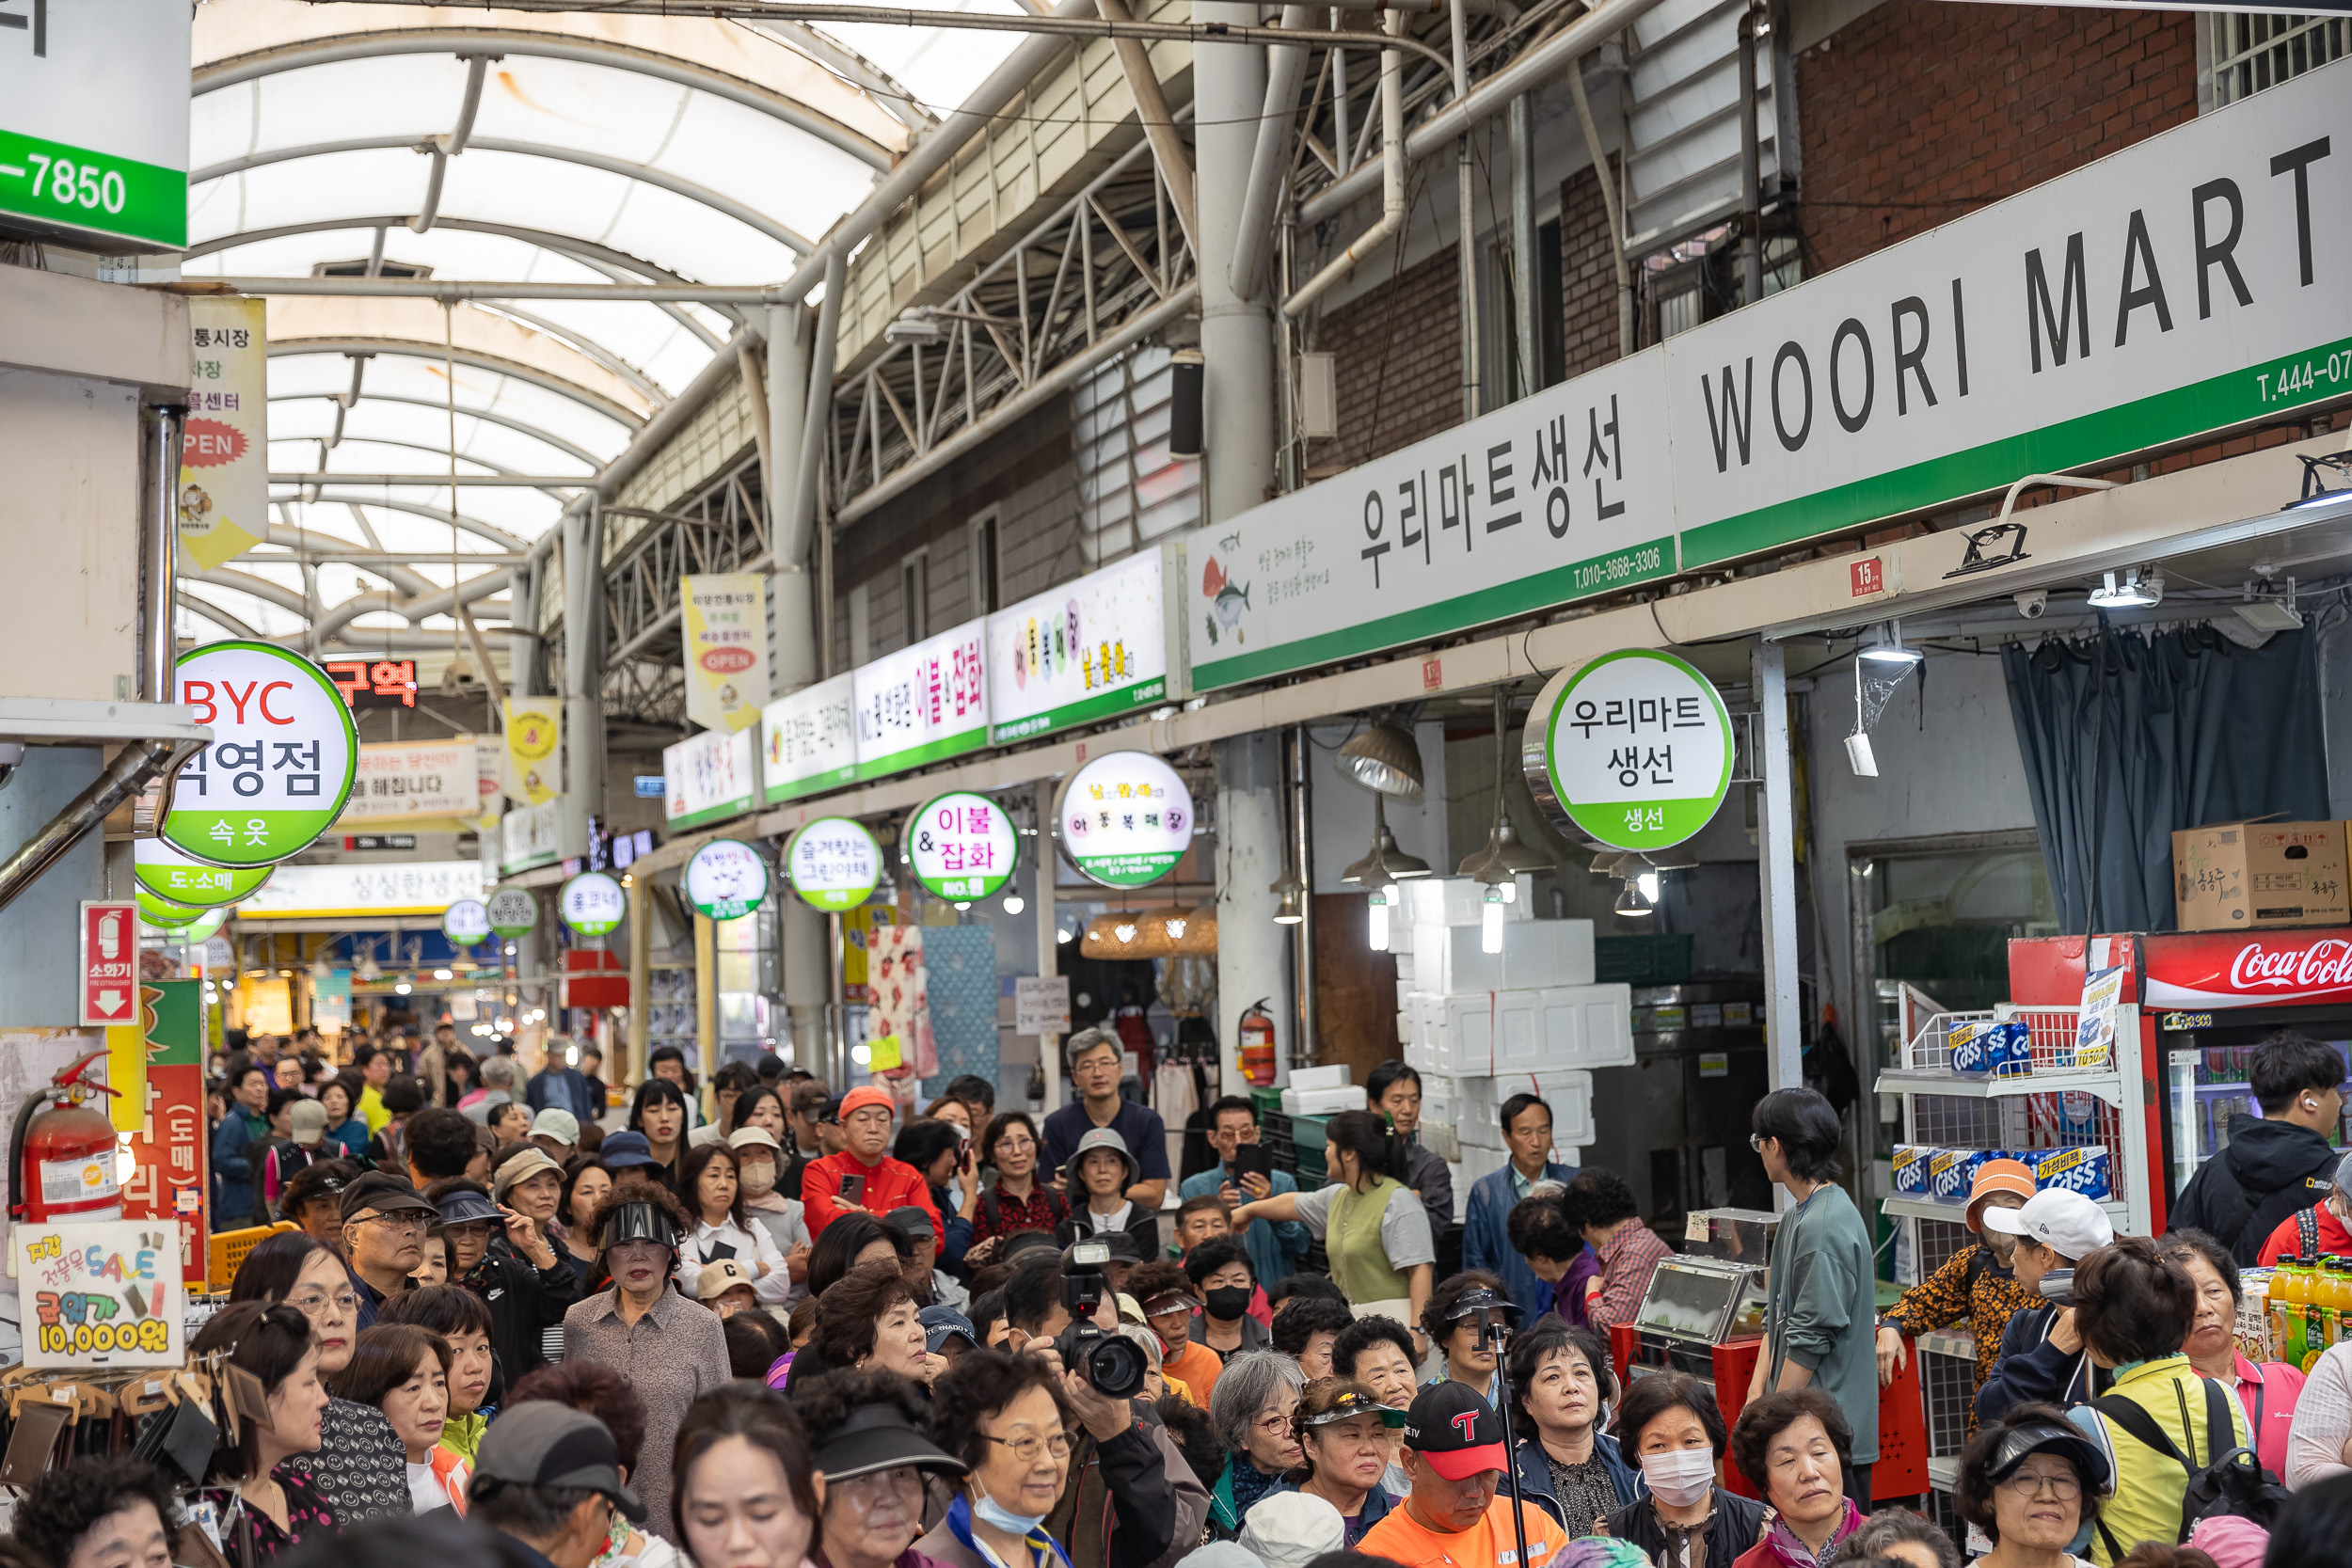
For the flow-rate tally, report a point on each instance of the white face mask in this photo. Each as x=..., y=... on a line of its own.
x=1679, y=1477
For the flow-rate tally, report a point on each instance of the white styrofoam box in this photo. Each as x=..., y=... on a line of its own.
x=1476, y=1163
x=1404, y=1028
x=1323, y=1102
x=1535, y=953
x=1480, y=1130
x=1421, y=1051
x=1464, y=1033
x=1569, y=1094
x=1405, y=965
x=1562, y=1027
x=1462, y=900
x=1439, y=1107
x=1460, y=1173
x=1320, y=1077
x=1404, y=994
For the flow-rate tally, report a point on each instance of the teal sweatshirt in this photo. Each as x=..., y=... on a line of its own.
x=1824, y=1309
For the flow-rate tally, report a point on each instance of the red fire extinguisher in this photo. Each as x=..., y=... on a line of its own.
x=65, y=1154
x=1257, y=1044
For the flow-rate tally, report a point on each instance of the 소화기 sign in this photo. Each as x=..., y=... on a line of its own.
x=727, y=880
x=962, y=847
x=710, y=775
x=592, y=904
x=1088, y=650
x=171, y=874
x=922, y=703
x=833, y=863
x=1124, y=820
x=724, y=626
x=104, y=1294
x=110, y=962
x=224, y=456
x=1633, y=749
x=810, y=738
x=280, y=764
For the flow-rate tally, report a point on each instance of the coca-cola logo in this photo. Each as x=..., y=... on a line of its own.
x=2325, y=964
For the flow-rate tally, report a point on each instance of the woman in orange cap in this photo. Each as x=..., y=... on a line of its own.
x=1975, y=1283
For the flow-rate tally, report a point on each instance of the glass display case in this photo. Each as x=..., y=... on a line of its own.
x=2204, y=1059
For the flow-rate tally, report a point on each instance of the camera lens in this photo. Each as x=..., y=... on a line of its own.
x=1116, y=1368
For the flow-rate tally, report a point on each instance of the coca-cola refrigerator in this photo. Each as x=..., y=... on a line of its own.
x=2206, y=999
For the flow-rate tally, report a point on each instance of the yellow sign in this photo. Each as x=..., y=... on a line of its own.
x=268, y=1006
x=126, y=1073
x=724, y=622
x=884, y=1055
x=224, y=456
x=535, y=744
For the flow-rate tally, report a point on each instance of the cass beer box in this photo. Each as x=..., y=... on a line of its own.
x=2245, y=876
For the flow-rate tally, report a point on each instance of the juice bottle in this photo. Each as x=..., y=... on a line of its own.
x=2289, y=1291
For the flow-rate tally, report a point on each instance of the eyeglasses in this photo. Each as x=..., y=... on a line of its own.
x=312, y=1304
x=2028, y=1484
x=398, y=1224
x=1026, y=1449
x=1756, y=1141
x=1015, y=1146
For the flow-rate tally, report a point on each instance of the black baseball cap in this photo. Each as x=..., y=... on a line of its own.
x=1452, y=1427
x=880, y=1437
x=386, y=1194
x=545, y=1446
x=913, y=1222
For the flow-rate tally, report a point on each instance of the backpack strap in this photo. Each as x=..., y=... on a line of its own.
x=2127, y=1413
x=2221, y=1431
x=2307, y=1230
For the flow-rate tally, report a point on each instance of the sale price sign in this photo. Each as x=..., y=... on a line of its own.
x=98, y=1295
x=280, y=764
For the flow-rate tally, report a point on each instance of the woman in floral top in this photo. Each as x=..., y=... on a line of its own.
x=255, y=1494
x=1016, y=1201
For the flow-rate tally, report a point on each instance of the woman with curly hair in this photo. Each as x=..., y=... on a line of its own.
x=1005, y=1418
x=868, y=1320
x=866, y=1429
x=671, y=1349
x=599, y=1390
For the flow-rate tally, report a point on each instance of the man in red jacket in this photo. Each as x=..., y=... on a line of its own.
x=862, y=1179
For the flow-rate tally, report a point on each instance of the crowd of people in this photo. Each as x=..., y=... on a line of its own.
x=811, y=1330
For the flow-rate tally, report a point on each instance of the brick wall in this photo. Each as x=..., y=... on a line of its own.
x=1919, y=114
x=1399, y=366
x=1588, y=279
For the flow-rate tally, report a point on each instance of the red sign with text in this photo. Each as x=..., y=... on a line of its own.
x=110, y=962
x=2230, y=969
x=1869, y=577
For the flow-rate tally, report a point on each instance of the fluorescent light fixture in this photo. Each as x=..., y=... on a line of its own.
x=1647, y=882
x=1859, y=757
x=1379, y=936
x=2134, y=591
x=1889, y=648
x=1490, y=920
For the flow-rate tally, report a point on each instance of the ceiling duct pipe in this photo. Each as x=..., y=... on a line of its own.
x=1391, y=185
x=1286, y=71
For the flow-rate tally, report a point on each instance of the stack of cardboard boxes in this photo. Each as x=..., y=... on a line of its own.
x=2250, y=876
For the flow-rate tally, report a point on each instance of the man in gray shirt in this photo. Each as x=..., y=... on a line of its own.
x=1819, y=1324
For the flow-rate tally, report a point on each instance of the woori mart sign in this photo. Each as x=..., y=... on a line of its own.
x=2196, y=282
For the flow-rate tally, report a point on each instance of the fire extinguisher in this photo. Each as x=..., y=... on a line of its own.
x=1257, y=1044
x=65, y=1154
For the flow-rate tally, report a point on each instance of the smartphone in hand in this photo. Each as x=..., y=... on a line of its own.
x=1252, y=1160
x=853, y=1189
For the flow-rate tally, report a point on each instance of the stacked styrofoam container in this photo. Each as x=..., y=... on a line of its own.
x=1481, y=1027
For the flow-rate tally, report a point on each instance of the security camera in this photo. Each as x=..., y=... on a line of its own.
x=2031, y=604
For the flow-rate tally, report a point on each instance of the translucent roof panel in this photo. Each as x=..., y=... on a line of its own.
x=601, y=149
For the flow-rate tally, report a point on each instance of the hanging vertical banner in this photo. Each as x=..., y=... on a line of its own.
x=224, y=461
x=330, y=1000
x=724, y=624
x=534, y=742
x=1088, y=650
x=811, y=740
x=530, y=836
x=281, y=761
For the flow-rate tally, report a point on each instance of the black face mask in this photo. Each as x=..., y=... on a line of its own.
x=1227, y=1302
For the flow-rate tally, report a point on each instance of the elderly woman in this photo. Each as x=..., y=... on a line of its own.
x=670, y=1349
x=2029, y=1483
x=1343, y=1436
x=1005, y=1418
x=866, y=1431
x=747, y=1493
x=2267, y=1393
x=359, y=1464
x=759, y=1166
x=402, y=1371
x=267, y=1508
x=711, y=1188
x=1795, y=1447
x=1459, y=1332
x=599, y=1391
x=868, y=1320
x=1253, y=1411
x=1897, y=1535
x=1669, y=1426
x=1561, y=1385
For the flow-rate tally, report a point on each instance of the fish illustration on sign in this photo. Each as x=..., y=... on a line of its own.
x=1227, y=602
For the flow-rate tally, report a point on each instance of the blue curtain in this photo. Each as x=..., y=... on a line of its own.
x=2128, y=738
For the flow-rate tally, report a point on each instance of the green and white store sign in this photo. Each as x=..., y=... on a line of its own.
x=833, y=863
x=962, y=847
x=514, y=913
x=465, y=923
x=592, y=904
x=200, y=928
x=166, y=913
x=94, y=120
x=168, y=874
x=1124, y=820
x=727, y=880
x=1633, y=750
x=281, y=762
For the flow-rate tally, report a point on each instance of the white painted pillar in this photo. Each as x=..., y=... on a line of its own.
x=1776, y=864
x=1252, y=957
x=795, y=659
x=583, y=677
x=1236, y=334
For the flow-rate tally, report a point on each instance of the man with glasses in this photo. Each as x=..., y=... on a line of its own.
x=384, y=1228
x=1277, y=1248
x=1096, y=1062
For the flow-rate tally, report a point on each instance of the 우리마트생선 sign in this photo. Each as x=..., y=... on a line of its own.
x=104, y=1294
x=280, y=764
x=833, y=863
x=189, y=884
x=592, y=904
x=466, y=922
x=962, y=847
x=1633, y=749
x=727, y=880
x=1124, y=820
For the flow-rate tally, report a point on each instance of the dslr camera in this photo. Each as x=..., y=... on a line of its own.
x=1113, y=1365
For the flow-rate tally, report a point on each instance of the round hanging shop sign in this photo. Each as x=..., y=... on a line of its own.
x=1124, y=820
x=202, y=928
x=514, y=913
x=833, y=863
x=727, y=880
x=167, y=873
x=166, y=913
x=465, y=923
x=281, y=762
x=1634, y=749
x=962, y=847
x=592, y=904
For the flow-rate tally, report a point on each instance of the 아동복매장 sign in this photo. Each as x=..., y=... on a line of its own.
x=833, y=863
x=1633, y=749
x=727, y=880
x=1125, y=818
x=105, y=1294
x=280, y=764
x=962, y=847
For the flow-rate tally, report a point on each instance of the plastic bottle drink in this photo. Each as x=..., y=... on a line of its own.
x=2288, y=1296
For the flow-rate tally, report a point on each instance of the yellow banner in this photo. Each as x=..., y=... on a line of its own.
x=126, y=1075
x=535, y=749
x=224, y=460
x=724, y=618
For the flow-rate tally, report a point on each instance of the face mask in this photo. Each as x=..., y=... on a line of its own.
x=990, y=1512
x=1679, y=1477
x=758, y=1178
x=1227, y=1302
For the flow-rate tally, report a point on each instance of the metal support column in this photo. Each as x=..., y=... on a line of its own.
x=1776, y=864
x=1250, y=832
x=1523, y=244
x=706, y=1008
x=1308, y=1051
x=583, y=677
x=1236, y=333
x=632, y=1068
x=1048, y=945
